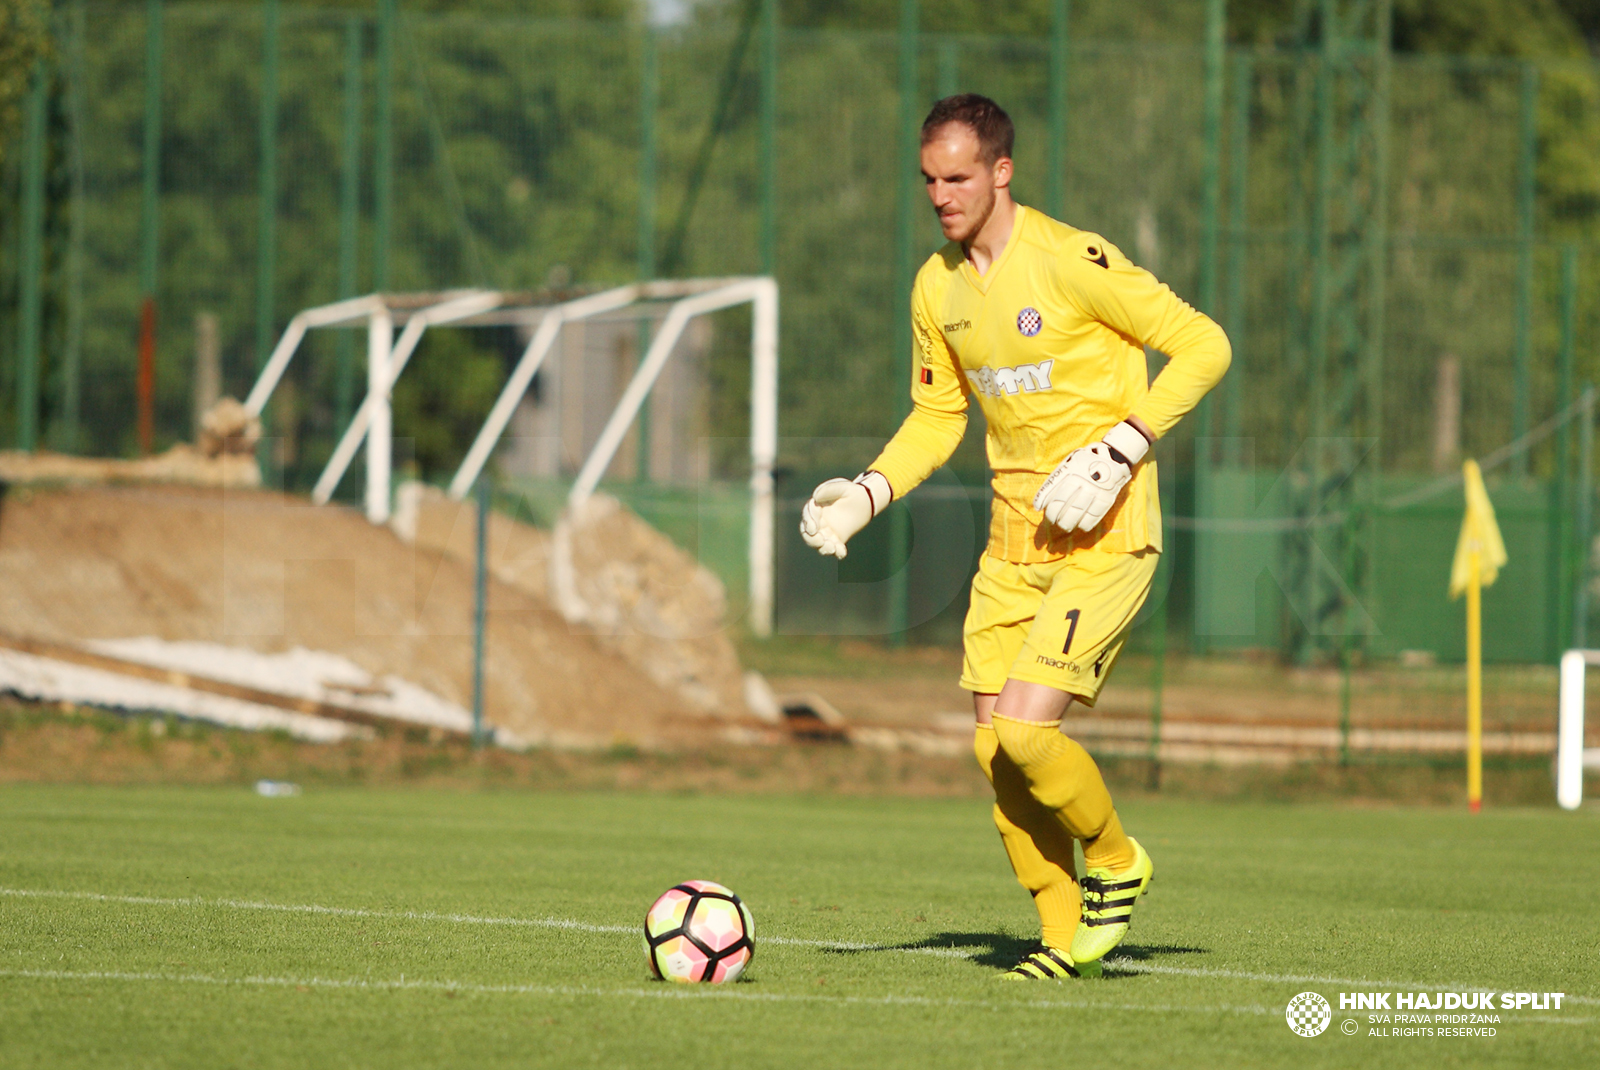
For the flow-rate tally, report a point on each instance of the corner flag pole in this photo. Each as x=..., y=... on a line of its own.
x=1474, y=686
x=1480, y=554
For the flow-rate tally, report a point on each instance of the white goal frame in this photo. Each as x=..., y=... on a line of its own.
x=387, y=357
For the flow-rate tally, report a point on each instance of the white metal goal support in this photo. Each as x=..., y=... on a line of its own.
x=1571, y=756
x=539, y=346
x=762, y=293
x=387, y=358
x=383, y=369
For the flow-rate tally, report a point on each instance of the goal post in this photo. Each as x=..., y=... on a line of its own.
x=1572, y=758
x=415, y=313
x=761, y=292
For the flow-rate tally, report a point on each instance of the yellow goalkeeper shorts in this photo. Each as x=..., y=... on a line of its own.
x=1060, y=623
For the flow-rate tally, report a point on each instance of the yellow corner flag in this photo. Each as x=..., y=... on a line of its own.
x=1480, y=552
x=1480, y=537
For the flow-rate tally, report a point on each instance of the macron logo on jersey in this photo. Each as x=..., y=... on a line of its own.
x=998, y=382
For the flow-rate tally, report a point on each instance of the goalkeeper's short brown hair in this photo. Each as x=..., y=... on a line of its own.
x=982, y=116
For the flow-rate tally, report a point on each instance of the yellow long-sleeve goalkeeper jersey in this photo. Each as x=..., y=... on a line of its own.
x=1051, y=341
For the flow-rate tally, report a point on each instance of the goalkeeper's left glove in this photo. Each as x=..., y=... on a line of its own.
x=841, y=507
x=1082, y=489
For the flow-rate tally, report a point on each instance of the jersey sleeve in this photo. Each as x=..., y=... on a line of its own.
x=1109, y=287
x=938, y=419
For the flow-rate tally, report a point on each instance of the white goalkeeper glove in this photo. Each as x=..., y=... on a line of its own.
x=841, y=507
x=1082, y=489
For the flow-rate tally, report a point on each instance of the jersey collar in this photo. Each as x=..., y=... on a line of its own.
x=982, y=282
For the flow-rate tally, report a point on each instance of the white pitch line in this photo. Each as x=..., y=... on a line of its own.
x=423, y=915
x=312, y=908
x=664, y=992
x=1119, y=964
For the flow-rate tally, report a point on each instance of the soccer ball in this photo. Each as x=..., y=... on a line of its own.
x=699, y=931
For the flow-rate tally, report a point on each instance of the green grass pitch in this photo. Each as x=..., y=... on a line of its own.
x=212, y=927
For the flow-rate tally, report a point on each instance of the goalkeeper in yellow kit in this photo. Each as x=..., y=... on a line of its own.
x=1046, y=325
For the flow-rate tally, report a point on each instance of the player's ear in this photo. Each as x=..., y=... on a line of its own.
x=1002, y=172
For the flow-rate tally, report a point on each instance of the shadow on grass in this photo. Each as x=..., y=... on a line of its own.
x=1001, y=951
x=1148, y=952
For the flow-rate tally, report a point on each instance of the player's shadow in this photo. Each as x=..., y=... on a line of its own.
x=1146, y=952
x=1002, y=950
x=987, y=949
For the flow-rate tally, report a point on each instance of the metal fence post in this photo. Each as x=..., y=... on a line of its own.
x=1060, y=39
x=383, y=148
x=67, y=432
x=906, y=171
x=1158, y=681
x=1580, y=608
x=769, y=138
x=649, y=96
x=480, y=609
x=31, y=263
x=1238, y=222
x=1527, y=167
x=267, y=206
x=349, y=216
x=1325, y=146
x=1211, y=170
x=1560, y=528
x=1216, y=54
x=149, y=209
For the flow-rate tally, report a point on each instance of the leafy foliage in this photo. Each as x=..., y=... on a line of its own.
x=24, y=38
x=517, y=137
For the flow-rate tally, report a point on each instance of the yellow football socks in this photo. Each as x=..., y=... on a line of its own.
x=1039, y=848
x=1064, y=780
x=1111, y=849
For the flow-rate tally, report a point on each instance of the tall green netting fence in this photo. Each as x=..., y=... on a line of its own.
x=428, y=152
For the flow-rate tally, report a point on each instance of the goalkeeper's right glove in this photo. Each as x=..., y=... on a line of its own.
x=1082, y=489
x=841, y=507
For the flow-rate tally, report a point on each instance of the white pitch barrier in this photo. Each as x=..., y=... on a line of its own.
x=1572, y=758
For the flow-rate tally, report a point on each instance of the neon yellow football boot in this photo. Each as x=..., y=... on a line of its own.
x=1045, y=963
x=1108, y=901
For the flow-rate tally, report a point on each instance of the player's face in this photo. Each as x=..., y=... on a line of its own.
x=960, y=185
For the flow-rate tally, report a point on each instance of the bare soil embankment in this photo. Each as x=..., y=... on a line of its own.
x=269, y=572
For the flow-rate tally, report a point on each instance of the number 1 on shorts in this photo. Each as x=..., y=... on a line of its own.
x=1072, y=629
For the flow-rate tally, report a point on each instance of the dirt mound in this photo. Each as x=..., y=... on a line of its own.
x=611, y=575
x=269, y=572
x=183, y=464
x=637, y=592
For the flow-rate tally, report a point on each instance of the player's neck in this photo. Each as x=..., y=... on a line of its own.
x=990, y=241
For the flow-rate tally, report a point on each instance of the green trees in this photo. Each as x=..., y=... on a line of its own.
x=24, y=37
x=517, y=134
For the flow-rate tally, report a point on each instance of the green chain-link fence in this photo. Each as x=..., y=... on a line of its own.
x=297, y=155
